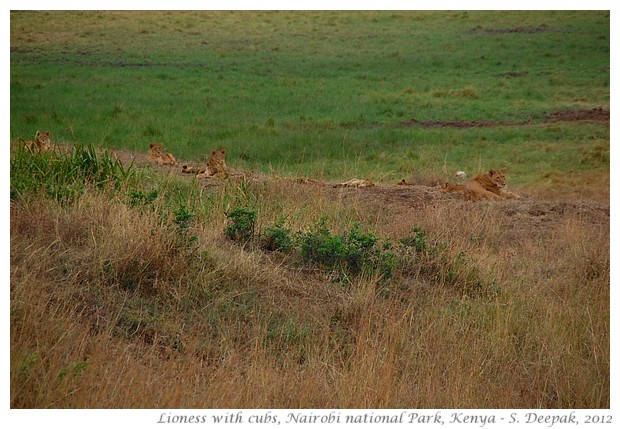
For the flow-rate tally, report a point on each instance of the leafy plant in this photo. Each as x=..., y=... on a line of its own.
x=350, y=253
x=277, y=237
x=183, y=217
x=416, y=240
x=138, y=197
x=242, y=222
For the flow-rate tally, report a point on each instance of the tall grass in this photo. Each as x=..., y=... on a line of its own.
x=110, y=298
x=65, y=175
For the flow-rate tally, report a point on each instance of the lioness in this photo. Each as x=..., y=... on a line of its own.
x=488, y=185
x=156, y=154
x=216, y=166
x=41, y=142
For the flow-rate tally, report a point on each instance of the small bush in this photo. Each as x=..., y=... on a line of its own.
x=278, y=237
x=242, y=223
x=183, y=218
x=351, y=253
x=141, y=198
x=416, y=240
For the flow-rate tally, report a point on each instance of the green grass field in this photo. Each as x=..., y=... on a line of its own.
x=133, y=286
x=318, y=93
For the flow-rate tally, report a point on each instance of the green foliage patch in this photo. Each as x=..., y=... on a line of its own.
x=65, y=176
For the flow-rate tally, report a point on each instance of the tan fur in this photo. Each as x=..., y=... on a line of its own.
x=41, y=142
x=355, y=183
x=157, y=154
x=488, y=185
x=306, y=181
x=188, y=169
x=216, y=165
x=452, y=187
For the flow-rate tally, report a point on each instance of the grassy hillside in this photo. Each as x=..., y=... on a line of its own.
x=150, y=284
x=134, y=286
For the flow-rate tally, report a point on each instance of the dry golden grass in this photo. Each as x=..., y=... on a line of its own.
x=111, y=307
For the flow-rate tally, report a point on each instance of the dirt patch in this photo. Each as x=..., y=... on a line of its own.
x=519, y=219
x=461, y=124
x=597, y=115
x=515, y=30
x=513, y=74
x=569, y=115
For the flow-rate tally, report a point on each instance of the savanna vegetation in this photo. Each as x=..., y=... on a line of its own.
x=134, y=286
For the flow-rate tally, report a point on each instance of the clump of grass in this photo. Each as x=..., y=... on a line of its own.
x=467, y=92
x=65, y=176
x=443, y=265
x=183, y=217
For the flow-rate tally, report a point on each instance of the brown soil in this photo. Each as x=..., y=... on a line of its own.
x=516, y=30
x=460, y=124
x=597, y=115
x=569, y=115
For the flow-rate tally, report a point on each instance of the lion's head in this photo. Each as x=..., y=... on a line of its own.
x=498, y=177
x=43, y=140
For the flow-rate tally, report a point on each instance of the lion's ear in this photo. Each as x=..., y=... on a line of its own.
x=151, y=145
x=223, y=151
x=503, y=170
x=213, y=152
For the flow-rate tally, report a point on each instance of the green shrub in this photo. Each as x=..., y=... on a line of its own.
x=242, y=222
x=277, y=237
x=351, y=253
x=141, y=198
x=183, y=217
x=416, y=240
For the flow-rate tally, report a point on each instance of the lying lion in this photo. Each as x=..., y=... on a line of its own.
x=156, y=154
x=41, y=142
x=355, y=183
x=488, y=185
x=189, y=169
x=216, y=166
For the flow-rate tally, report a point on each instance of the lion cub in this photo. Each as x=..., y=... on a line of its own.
x=216, y=166
x=41, y=142
x=157, y=154
x=488, y=185
x=189, y=169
